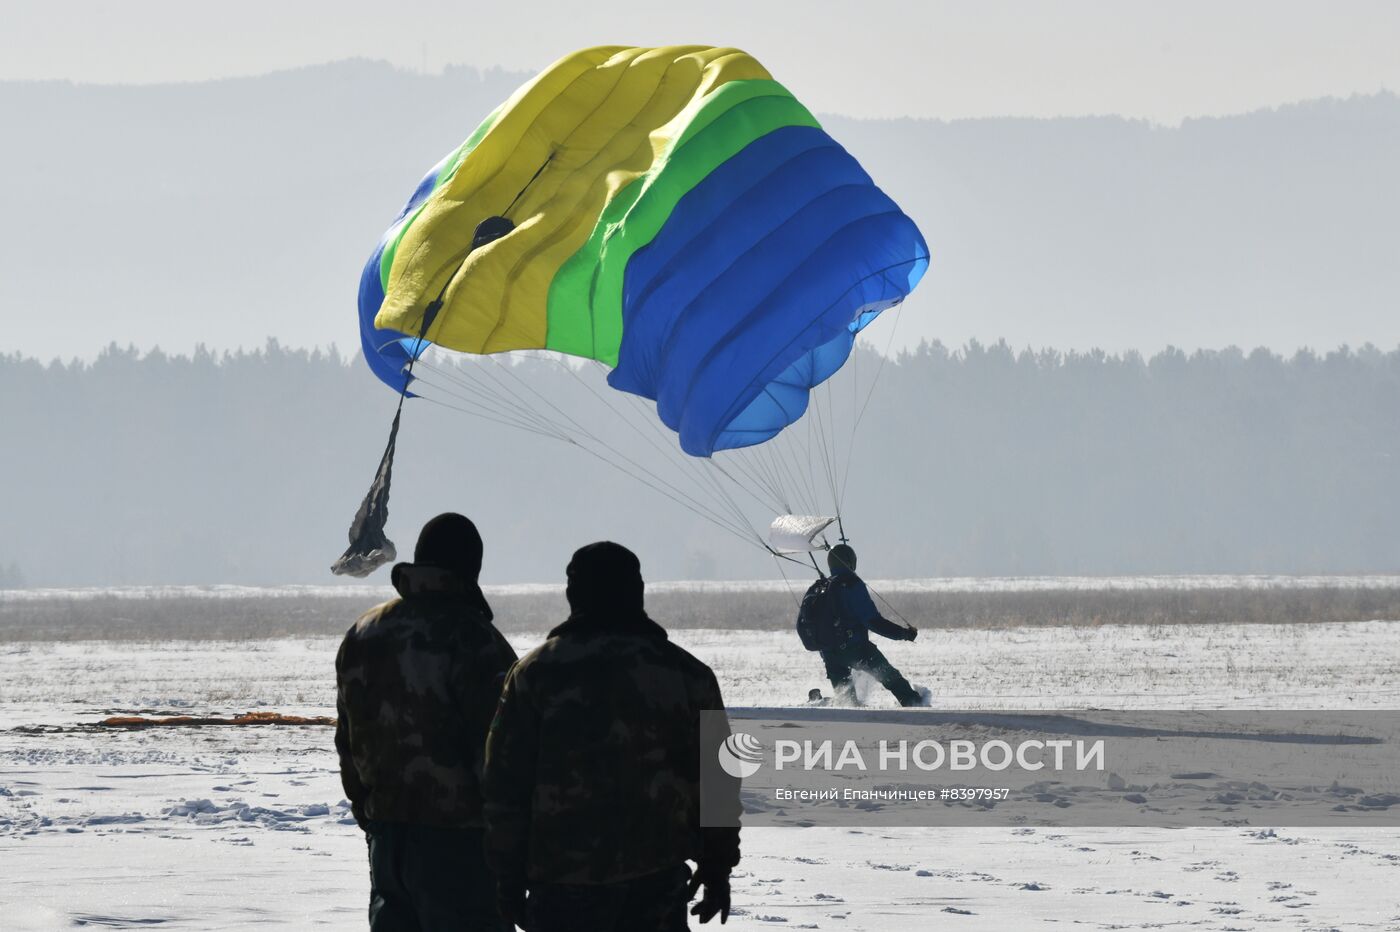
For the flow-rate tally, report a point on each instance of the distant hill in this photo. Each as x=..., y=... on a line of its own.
x=227, y=211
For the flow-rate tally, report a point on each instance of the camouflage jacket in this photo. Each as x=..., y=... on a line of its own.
x=592, y=763
x=417, y=680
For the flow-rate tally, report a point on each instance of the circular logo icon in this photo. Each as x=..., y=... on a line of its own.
x=740, y=755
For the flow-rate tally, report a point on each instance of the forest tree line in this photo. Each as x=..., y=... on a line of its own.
x=143, y=468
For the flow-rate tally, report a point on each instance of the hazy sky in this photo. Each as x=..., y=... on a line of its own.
x=1160, y=60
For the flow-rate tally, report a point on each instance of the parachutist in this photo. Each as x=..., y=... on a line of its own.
x=836, y=618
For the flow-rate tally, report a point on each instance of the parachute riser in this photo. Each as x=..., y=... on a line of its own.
x=370, y=548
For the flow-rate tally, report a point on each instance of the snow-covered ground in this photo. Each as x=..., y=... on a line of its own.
x=233, y=828
x=889, y=586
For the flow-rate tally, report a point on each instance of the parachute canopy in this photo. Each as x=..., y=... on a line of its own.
x=675, y=214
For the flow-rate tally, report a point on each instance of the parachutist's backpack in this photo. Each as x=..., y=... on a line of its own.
x=819, y=622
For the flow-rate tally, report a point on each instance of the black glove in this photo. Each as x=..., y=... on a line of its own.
x=913, y=633
x=716, y=898
x=510, y=901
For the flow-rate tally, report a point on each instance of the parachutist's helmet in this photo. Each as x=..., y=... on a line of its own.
x=841, y=557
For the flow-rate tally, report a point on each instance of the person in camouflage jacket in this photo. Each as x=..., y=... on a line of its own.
x=417, y=680
x=592, y=769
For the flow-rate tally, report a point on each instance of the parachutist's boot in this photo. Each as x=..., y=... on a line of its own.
x=921, y=697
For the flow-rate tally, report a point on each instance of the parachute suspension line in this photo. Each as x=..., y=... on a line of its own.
x=522, y=414
x=801, y=453
x=778, y=554
x=652, y=480
x=740, y=523
x=825, y=448
x=475, y=412
x=518, y=415
x=725, y=496
x=668, y=451
x=753, y=486
x=664, y=448
x=528, y=419
x=704, y=473
x=739, y=461
x=792, y=456
x=836, y=452
x=676, y=493
x=815, y=445
x=787, y=583
x=482, y=399
x=807, y=463
x=370, y=548
x=879, y=371
x=496, y=371
x=823, y=442
x=657, y=440
x=886, y=602
x=789, y=464
x=762, y=542
x=736, y=462
x=766, y=460
x=698, y=511
x=769, y=504
x=753, y=468
x=788, y=471
x=515, y=411
x=478, y=379
x=783, y=459
x=567, y=426
x=792, y=460
x=855, y=402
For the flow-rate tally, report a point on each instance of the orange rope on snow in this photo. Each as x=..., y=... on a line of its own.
x=247, y=718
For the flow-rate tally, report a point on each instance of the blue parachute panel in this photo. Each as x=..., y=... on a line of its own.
x=755, y=287
x=389, y=352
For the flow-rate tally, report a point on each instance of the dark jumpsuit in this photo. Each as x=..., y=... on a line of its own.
x=859, y=616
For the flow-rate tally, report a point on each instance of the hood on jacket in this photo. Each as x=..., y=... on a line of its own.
x=588, y=625
x=414, y=580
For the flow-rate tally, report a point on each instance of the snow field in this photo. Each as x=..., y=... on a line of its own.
x=234, y=828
